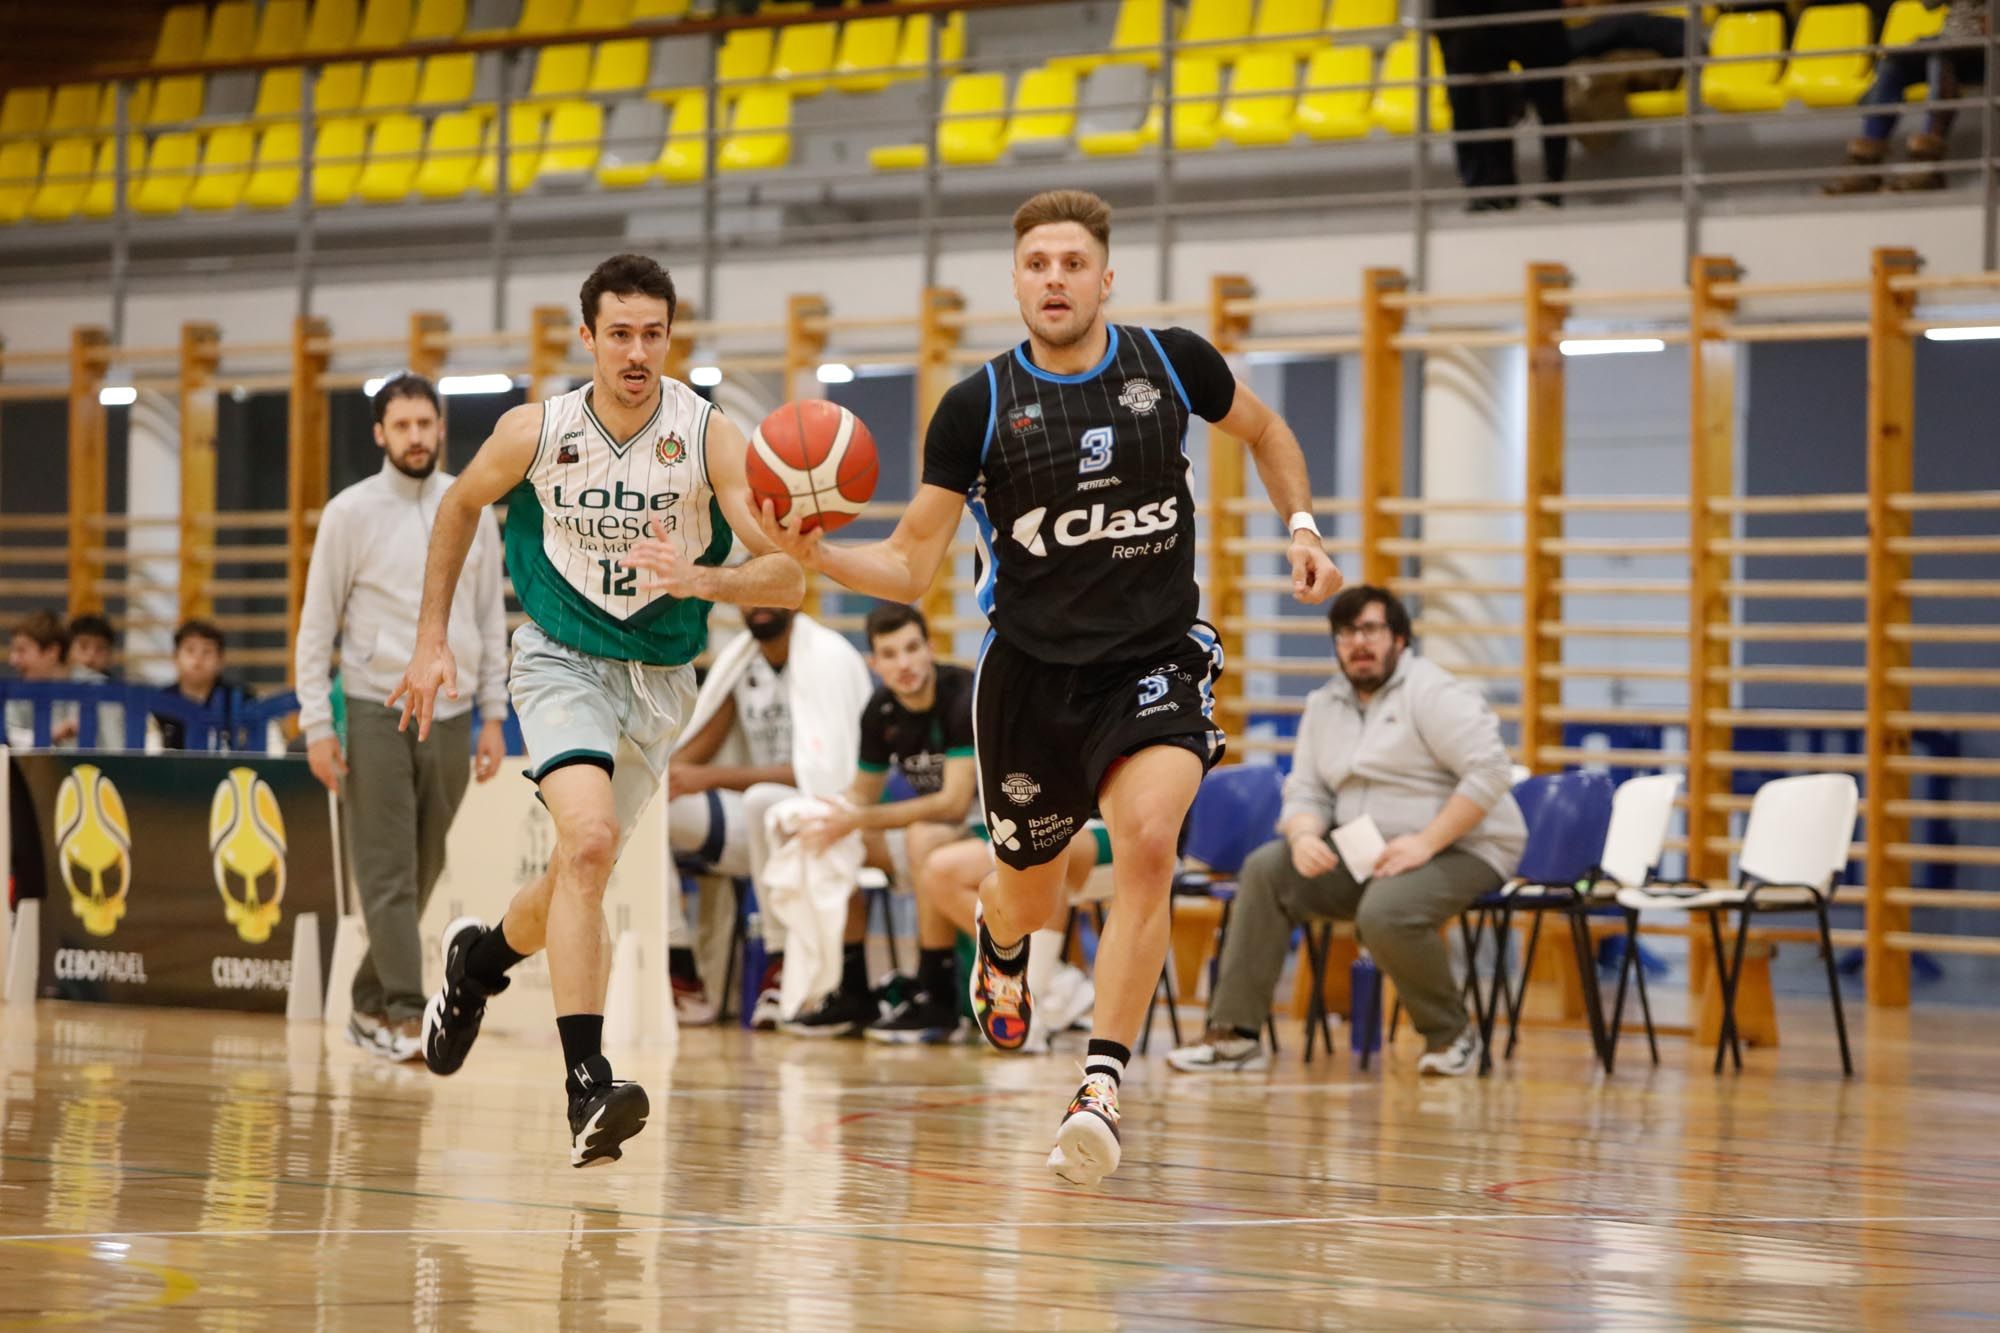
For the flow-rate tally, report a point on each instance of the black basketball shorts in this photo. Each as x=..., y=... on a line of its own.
x=1046, y=734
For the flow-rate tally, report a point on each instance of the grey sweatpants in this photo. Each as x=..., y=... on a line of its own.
x=400, y=798
x=1397, y=918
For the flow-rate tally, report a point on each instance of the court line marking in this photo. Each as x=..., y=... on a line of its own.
x=848, y=1227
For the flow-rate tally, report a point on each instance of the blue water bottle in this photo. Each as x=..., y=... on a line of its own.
x=1364, y=1007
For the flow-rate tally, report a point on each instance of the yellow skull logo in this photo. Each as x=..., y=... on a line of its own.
x=246, y=836
x=93, y=848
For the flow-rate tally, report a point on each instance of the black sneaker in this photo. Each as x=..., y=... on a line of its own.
x=603, y=1112
x=918, y=1021
x=451, y=1019
x=838, y=1014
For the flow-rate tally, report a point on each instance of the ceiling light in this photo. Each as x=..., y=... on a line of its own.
x=835, y=372
x=1609, y=346
x=1972, y=333
x=705, y=377
x=117, y=395
x=456, y=384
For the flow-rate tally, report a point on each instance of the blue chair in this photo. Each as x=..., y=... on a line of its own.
x=1568, y=815
x=1234, y=813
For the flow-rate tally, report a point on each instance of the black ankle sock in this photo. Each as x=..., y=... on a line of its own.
x=1106, y=1057
x=681, y=965
x=854, y=969
x=490, y=956
x=582, y=1038
x=936, y=971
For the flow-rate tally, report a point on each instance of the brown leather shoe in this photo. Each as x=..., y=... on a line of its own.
x=1923, y=148
x=1867, y=153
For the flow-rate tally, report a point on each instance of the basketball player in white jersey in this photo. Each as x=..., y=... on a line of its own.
x=621, y=498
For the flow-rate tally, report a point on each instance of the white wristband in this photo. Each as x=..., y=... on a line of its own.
x=1304, y=520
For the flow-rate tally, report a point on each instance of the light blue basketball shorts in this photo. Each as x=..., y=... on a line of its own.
x=622, y=717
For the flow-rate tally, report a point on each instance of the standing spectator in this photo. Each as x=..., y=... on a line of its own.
x=1488, y=49
x=363, y=589
x=1405, y=742
x=200, y=658
x=1899, y=70
x=93, y=646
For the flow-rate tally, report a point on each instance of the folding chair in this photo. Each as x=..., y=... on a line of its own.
x=1795, y=851
x=1234, y=813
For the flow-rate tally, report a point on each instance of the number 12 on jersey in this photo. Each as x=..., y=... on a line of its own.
x=617, y=582
x=1096, y=450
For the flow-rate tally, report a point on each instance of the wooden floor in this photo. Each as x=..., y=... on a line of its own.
x=188, y=1171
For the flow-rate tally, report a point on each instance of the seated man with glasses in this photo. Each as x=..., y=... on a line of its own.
x=1398, y=739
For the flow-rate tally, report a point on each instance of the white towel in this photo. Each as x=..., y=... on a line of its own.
x=808, y=893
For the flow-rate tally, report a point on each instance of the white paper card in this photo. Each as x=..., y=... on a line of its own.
x=1360, y=846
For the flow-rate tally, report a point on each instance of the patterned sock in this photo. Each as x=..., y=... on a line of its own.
x=1012, y=958
x=490, y=956
x=1107, y=1057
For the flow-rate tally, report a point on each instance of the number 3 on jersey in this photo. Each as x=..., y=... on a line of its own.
x=618, y=582
x=1096, y=450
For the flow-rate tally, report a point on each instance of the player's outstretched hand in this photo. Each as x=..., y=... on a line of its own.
x=1314, y=579
x=431, y=670
x=802, y=547
x=672, y=572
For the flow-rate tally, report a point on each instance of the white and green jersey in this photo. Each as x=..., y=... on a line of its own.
x=587, y=499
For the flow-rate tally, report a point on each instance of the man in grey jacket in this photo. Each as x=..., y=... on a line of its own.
x=1404, y=742
x=363, y=587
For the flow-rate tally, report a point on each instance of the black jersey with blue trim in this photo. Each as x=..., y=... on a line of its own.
x=1079, y=487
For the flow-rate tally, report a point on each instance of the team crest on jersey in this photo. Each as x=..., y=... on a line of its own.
x=1020, y=788
x=1024, y=418
x=669, y=449
x=566, y=447
x=1139, y=396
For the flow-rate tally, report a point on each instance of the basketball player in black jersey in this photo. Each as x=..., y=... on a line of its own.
x=1094, y=688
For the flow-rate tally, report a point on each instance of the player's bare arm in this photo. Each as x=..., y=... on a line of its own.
x=1281, y=465
x=770, y=577
x=899, y=568
x=498, y=468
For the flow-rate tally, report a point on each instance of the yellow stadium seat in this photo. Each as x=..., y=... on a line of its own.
x=174, y=101
x=683, y=154
x=181, y=33
x=1394, y=107
x=281, y=29
x=224, y=173
x=66, y=177
x=1263, y=91
x=1346, y=15
x=897, y=157
x=451, y=152
x=1197, y=92
x=912, y=51
x=73, y=108
x=1339, y=84
x=1752, y=85
x=543, y=17
x=274, y=170
x=525, y=128
x=596, y=15
x=447, y=80
x=804, y=57
x=1292, y=26
x=1135, y=39
x=1911, y=21
x=760, y=132
x=24, y=111
x=1830, y=80
x=745, y=57
x=570, y=146
x=437, y=20
x=138, y=105
x=340, y=149
x=391, y=85
x=866, y=56
x=620, y=66
x=332, y=27
x=395, y=151
x=1656, y=103
x=974, y=119
x=560, y=71
x=20, y=173
x=1044, y=112
x=232, y=28
x=384, y=23
x=100, y=199
x=656, y=11
x=169, y=174
x=1215, y=29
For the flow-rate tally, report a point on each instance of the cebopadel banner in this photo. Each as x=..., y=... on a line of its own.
x=172, y=879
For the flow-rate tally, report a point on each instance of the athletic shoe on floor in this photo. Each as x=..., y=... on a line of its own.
x=1456, y=1060
x=603, y=1112
x=919, y=1020
x=1086, y=1148
x=1068, y=998
x=404, y=1040
x=369, y=1031
x=1000, y=1001
x=838, y=1014
x=770, y=1006
x=1220, y=1050
x=692, y=1007
x=451, y=1019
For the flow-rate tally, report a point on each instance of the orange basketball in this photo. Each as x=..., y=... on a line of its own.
x=813, y=459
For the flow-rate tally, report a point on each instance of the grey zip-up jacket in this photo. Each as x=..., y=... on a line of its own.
x=1425, y=735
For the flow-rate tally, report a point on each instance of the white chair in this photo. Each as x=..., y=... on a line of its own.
x=1800, y=836
x=1641, y=812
